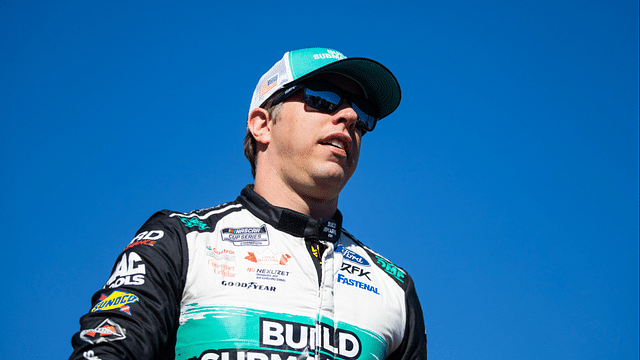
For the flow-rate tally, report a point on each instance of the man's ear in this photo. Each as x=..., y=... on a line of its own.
x=259, y=124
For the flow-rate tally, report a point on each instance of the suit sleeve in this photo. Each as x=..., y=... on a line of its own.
x=414, y=343
x=136, y=314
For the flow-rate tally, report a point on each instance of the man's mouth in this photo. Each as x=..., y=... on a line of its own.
x=338, y=144
x=338, y=141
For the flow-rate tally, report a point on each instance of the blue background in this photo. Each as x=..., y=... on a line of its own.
x=506, y=183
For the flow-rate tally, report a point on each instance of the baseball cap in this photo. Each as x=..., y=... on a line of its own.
x=380, y=86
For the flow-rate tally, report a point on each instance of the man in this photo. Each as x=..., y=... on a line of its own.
x=271, y=275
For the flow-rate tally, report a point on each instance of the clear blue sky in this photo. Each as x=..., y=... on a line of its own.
x=506, y=183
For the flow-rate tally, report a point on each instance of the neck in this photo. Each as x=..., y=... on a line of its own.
x=296, y=199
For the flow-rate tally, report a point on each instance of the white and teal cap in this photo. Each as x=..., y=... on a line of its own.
x=380, y=86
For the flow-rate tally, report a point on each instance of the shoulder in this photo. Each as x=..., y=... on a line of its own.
x=396, y=273
x=201, y=220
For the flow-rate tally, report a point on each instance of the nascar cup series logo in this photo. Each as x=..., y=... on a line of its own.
x=246, y=236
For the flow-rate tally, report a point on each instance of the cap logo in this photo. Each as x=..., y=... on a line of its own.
x=331, y=54
x=269, y=84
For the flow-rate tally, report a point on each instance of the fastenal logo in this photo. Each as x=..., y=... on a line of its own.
x=108, y=330
x=247, y=236
x=357, y=284
x=117, y=300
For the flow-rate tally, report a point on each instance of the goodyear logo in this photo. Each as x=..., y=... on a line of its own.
x=117, y=300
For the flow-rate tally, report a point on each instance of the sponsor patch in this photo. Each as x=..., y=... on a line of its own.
x=222, y=269
x=140, y=242
x=354, y=270
x=148, y=238
x=117, y=300
x=191, y=222
x=148, y=235
x=269, y=274
x=108, y=330
x=317, y=250
x=129, y=271
x=247, y=236
x=352, y=257
x=251, y=285
x=358, y=284
x=291, y=336
x=248, y=354
x=330, y=54
x=330, y=229
x=90, y=355
x=268, y=258
x=268, y=85
x=221, y=254
x=395, y=272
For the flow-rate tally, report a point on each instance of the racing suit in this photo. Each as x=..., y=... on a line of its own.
x=246, y=280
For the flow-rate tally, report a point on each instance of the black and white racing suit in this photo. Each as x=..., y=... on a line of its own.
x=246, y=281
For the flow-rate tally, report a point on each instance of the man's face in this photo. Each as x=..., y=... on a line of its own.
x=316, y=153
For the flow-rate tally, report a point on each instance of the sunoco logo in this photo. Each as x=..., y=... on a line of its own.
x=285, y=335
x=117, y=300
x=256, y=236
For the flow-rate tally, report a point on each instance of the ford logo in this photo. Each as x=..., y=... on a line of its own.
x=352, y=257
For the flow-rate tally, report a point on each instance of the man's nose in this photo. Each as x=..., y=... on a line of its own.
x=346, y=114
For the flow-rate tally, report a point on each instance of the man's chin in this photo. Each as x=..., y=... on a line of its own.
x=330, y=184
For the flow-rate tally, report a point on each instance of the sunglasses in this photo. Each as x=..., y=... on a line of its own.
x=327, y=98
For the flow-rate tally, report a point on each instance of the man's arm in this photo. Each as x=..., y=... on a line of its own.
x=135, y=315
x=414, y=343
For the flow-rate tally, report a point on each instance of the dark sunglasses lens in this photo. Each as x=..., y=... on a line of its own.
x=366, y=121
x=320, y=96
x=325, y=100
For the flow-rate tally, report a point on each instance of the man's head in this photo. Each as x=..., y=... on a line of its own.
x=377, y=83
x=307, y=117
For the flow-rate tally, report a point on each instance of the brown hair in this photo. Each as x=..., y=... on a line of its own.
x=250, y=146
